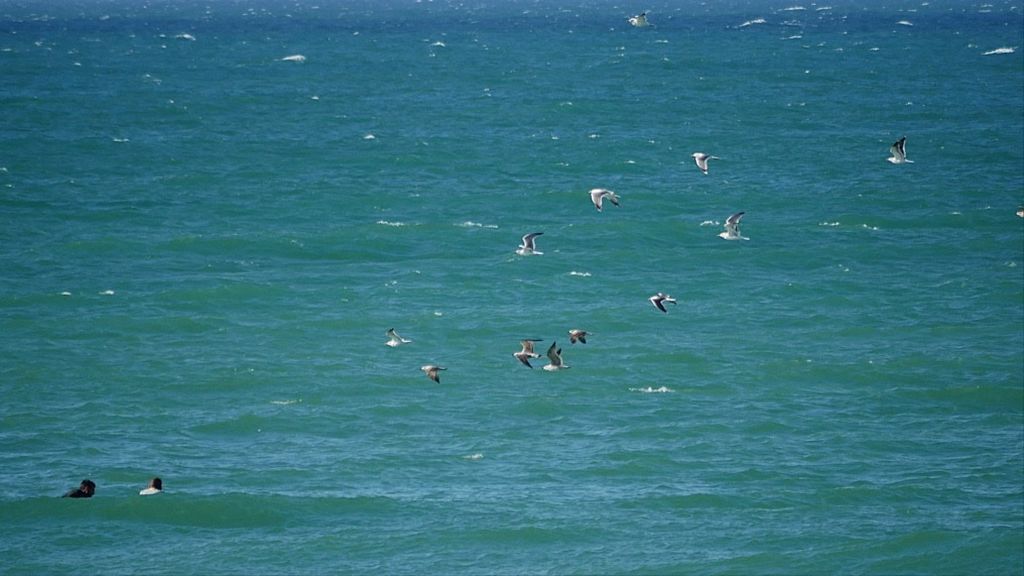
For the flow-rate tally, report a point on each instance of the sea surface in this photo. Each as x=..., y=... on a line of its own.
x=212, y=211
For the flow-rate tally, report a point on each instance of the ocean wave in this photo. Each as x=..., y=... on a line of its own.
x=471, y=224
x=1003, y=50
x=752, y=22
x=582, y=274
x=652, y=390
x=389, y=223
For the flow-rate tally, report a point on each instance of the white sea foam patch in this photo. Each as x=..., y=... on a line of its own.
x=477, y=456
x=471, y=224
x=1003, y=50
x=905, y=23
x=294, y=58
x=652, y=390
x=828, y=223
x=753, y=22
x=389, y=223
x=710, y=223
x=582, y=274
x=286, y=402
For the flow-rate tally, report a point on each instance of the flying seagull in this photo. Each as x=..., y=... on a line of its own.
x=597, y=196
x=555, y=358
x=659, y=299
x=732, y=228
x=640, y=20
x=431, y=372
x=899, y=152
x=394, y=339
x=577, y=335
x=529, y=245
x=701, y=159
x=527, y=352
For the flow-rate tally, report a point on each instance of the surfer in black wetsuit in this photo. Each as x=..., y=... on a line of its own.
x=85, y=490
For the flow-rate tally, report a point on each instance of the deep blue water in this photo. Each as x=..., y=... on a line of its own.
x=202, y=245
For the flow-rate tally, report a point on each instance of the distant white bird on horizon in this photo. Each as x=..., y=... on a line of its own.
x=394, y=339
x=555, y=359
x=701, y=159
x=529, y=245
x=597, y=196
x=732, y=228
x=659, y=300
x=899, y=152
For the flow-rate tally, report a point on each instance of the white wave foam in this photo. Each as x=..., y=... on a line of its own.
x=1003, y=50
x=294, y=58
x=477, y=456
x=583, y=274
x=471, y=224
x=286, y=402
x=107, y=293
x=905, y=23
x=710, y=223
x=651, y=390
x=752, y=22
x=794, y=9
x=828, y=223
x=387, y=223
x=186, y=36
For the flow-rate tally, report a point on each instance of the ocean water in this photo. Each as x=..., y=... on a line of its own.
x=202, y=244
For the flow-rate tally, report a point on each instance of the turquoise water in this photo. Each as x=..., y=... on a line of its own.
x=202, y=246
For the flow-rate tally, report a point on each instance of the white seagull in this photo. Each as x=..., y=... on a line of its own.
x=701, y=159
x=640, y=20
x=527, y=352
x=732, y=228
x=394, y=339
x=555, y=358
x=597, y=196
x=529, y=245
x=577, y=335
x=899, y=152
x=659, y=299
x=431, y=371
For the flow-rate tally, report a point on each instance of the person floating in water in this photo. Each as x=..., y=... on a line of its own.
x=85, y=490
x=156, y=486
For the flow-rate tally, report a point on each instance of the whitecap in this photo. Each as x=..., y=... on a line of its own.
x=710, y=223
x=285, y=402
x=581, y=274
x=121, y=140
x=388, y=223
x=471, y=224
x=369, y=137
x=1003, y=50
x=186, y=36
x=652, y=390
x=794, y=9
x=752, y=22
x=294, y=58
x=107, y=293
x=828, y=223
x=905, y=23
x=477, y=456
x=65, y=293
